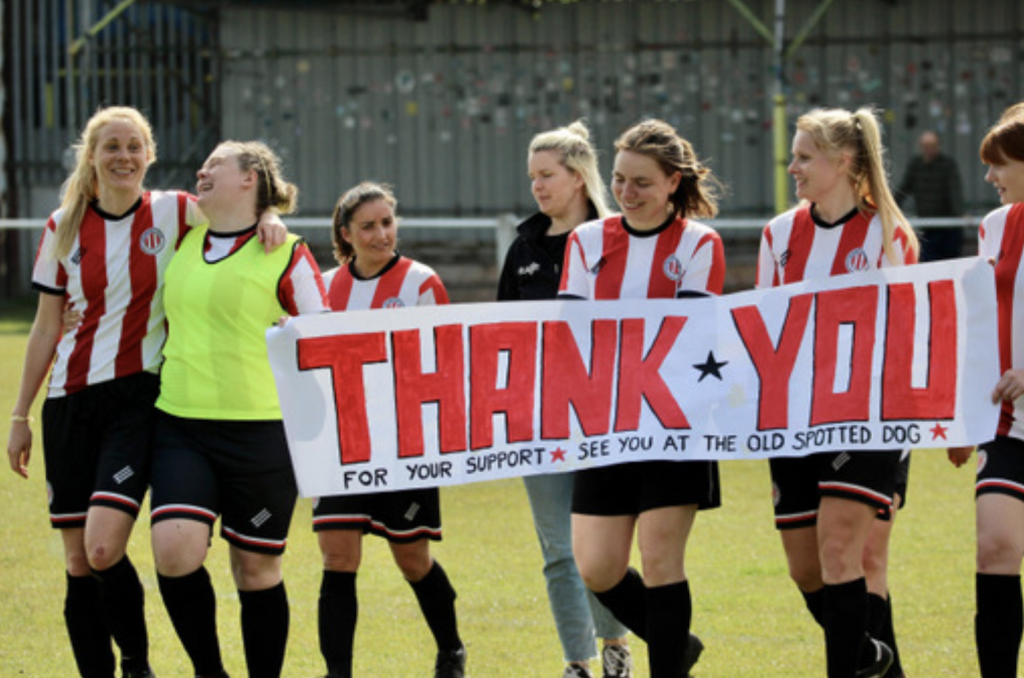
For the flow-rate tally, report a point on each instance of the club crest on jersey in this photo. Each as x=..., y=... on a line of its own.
x=857, y=260
x=393, y=302
x=76, y=258
x=784, y=259
x=152, y=241
x=673, y=268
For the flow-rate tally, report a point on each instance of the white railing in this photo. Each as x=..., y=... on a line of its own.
x=496, y=222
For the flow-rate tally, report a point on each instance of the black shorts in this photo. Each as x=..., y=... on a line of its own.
x=401, y=517
x=1001, y=468
x=798, y=483
x=96, y=447
x=239, y=470
x=630, y=489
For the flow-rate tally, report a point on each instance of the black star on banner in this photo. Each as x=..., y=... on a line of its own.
x=710, y=366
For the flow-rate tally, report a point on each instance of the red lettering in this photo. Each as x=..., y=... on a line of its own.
x=445, y=387
x=774, y=365
x=900, y=400
x=345, y=356
x=639, y=377
x=518, y=341
x=565, y=380
x=857, y=307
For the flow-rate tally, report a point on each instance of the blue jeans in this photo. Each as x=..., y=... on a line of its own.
x=579, y=617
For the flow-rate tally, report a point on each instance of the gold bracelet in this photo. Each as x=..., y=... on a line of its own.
x=27, y=419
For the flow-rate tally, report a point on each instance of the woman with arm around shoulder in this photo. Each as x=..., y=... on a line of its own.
x=104, y=253
x=652, y=250
x=567, y=186
x=220, y=449
x=826, y=512
x=374, y=275
x=999, y=620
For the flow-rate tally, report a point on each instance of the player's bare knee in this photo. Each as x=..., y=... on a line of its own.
x=414, y=561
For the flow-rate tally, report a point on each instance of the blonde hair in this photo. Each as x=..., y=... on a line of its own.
x=697, y=193
x=348, y=203
x=272, y=192
x=576, y=154
x=82, y=186
x=833, y=131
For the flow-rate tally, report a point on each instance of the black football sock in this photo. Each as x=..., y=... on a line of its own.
x=669, y=610
x=338, y=613
x=124, y=602
x=192, y=606
x=998, y=624
x=880, y=627
x=265, y=621
x=627, y=600
x=437, y=601
x=87, y=628
x=815, y=601
x=845, y=616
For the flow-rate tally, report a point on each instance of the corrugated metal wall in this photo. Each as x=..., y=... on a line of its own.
x=444, y=109
x=153, y=56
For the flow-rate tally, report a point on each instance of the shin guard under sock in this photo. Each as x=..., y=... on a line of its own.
x=192, y=606
x=338, y=610
x=437, y=601
x=815, y=601
x=998, y=624
x=124, y=602
x=265, y=620
x=669, y=610
x=87, y=628
x=881, y=628
x=627, y=600
x=845, y=613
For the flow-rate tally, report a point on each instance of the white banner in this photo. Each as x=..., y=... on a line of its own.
x=440, y=395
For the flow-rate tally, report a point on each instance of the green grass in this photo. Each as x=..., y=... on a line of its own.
x=748, y=613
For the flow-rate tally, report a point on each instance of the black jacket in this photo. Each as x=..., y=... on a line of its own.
x=530, y=273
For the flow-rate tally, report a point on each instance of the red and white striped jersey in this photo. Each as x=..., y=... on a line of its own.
x=606, y=259
x=403, y=282
x=300, y=290
x=114, y=277
x=1001, y=238
x=795, y=247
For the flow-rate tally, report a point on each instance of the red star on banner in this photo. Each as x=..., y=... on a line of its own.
x=938, y=431
x=558, y=455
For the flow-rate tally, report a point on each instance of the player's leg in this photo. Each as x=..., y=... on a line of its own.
x=1000, y=614
x=436, y=598
x=338, y=605
x=184, y=508
x=662, y=534
x=125, y=417
x=843, y=526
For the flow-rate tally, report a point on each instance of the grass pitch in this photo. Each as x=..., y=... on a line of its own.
x=749, y=615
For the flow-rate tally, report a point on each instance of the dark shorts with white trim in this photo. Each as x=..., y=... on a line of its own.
x=96, y=447
x=1001, y=468
x=238, y=470
x=401, y=517
x=798, y=483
